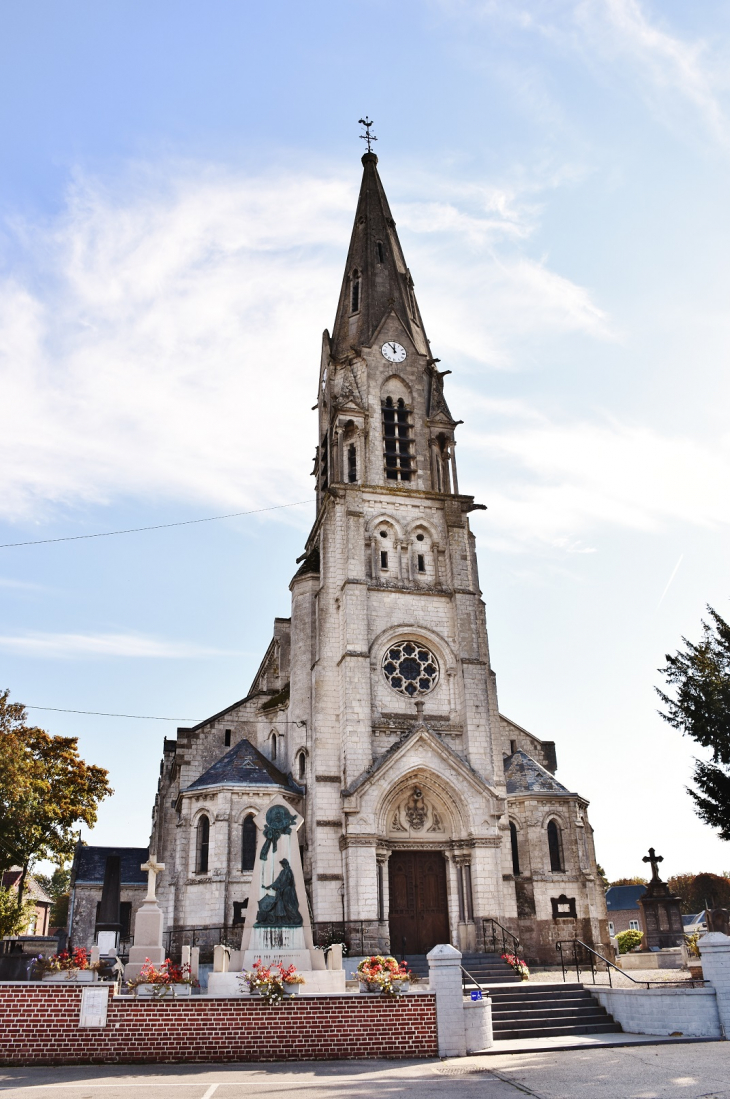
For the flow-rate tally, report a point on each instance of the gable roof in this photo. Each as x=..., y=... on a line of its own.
x=33, y=888
x=524, y=775
x=244, y=765
x=619, y=898
x=90, y=864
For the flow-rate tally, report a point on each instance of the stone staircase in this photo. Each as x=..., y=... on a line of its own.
x=486, y=969
x=547, y=1011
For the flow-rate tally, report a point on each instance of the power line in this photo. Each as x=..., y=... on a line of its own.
x=157, y=526
x=140, y=717
x=99, y=713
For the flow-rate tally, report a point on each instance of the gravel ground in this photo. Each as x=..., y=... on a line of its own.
x=619, y=980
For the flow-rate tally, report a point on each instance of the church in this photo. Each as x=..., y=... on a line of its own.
x=430, y=817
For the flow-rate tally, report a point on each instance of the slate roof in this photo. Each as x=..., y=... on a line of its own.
x=620, y=898
x=244, y=765
x=524, y=775
x=90, y=863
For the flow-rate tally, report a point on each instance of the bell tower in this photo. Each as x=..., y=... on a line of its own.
x=388, y=598
x=383, y=418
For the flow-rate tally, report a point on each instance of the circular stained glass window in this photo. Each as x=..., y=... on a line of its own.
x=410, y=668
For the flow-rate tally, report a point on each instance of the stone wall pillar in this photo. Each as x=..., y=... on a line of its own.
x=715, y=953
x=444, y=978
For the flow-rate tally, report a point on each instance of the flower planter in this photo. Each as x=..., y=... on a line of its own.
x=292, y=990
x=402, y=986
x=162, y=992
x=370, y=987
x=77, y=976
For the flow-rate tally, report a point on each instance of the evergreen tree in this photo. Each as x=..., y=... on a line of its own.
x=700, y=675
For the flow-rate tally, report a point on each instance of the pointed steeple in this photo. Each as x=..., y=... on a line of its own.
x=377, y=280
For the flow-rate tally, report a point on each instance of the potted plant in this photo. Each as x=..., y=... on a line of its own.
x=67, y=966
x=518, y=964
x=692, y=944
x=383, y=975
x=273, y=982
x=169, y=981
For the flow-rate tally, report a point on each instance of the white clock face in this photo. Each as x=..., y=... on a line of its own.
x=393, y=352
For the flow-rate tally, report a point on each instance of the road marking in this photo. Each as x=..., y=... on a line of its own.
x=211, y=1091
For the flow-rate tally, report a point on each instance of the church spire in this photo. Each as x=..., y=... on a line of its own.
x=377, y=281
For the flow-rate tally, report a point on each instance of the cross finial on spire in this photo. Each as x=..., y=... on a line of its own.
x=367, y=136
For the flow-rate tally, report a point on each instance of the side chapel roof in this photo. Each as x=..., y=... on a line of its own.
x=524, y=775
x=244, y=765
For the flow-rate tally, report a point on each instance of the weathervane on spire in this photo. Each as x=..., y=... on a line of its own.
x=367, y=136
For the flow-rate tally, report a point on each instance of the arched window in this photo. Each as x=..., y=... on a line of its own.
x=202, y=845
x=555, y=846
x=381, y=251
x=273, y=746
x=397, y=440
x=248, y=843
x=355, y=292
x=302, y=765
x=515, y=851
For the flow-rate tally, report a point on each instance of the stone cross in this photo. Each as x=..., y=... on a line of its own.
x=654, y=859
x=153, y=868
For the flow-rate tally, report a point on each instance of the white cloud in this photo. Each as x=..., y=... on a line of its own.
x=560, y=482
x=74, y=645
x=664, y=61
x=166, y=343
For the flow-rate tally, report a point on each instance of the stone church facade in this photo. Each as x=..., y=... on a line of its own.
x=429, y=816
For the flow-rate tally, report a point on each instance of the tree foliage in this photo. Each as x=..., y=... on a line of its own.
x=700, y=675
x=14, y=916
x=57, y=886
x=45, y=790
x=700, y=891
x=627, y=940
x=630, y=881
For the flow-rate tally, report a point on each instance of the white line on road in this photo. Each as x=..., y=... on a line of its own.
x=211, y=1091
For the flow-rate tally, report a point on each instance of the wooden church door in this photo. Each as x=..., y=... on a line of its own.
x=418, y=914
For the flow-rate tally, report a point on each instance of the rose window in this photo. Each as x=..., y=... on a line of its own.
x=410, y=668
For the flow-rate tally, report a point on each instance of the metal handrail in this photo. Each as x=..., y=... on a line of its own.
x=472, y=979
x=611, y=965
x=515, y=946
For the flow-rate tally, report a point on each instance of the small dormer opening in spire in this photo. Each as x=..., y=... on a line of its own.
x=397, y=440
x=381, y=251
x=355, y=292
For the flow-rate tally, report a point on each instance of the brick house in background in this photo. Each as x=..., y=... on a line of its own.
x=39, y=921
x=624, y=910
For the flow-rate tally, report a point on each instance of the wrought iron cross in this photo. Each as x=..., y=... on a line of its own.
x=654, y=859
x=367, y=136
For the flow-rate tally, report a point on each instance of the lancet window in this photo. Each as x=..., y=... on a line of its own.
x=355, y=292
x=555, y=846
x=248, y=843
x=202, y=845
x=397, y=440
x=515, y=849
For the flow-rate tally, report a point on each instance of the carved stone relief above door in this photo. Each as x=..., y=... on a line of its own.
x=418, y=814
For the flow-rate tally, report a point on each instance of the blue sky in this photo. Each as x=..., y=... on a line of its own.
x=177, y=193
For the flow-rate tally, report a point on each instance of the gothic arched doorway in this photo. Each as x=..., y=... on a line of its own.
x=418, y=912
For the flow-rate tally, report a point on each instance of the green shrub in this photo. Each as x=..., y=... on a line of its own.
x=627, y=940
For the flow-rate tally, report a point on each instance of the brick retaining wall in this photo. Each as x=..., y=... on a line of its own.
x=39, y=1025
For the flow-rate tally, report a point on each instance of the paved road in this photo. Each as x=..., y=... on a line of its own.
x=647, y=1072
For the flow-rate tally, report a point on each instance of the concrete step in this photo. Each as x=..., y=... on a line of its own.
x=556, y=1031
x=504, y=1018
x=545, y=1011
